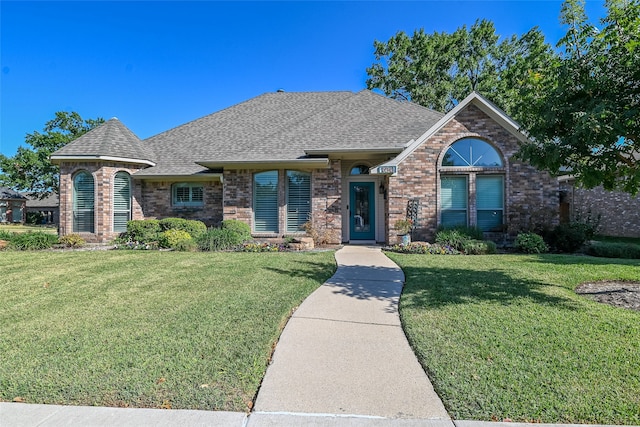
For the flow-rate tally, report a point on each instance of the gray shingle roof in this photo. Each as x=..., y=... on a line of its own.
x=51, y=201
x=110, y=139
x=276, y=126
x=9, y=194
x=281, y=126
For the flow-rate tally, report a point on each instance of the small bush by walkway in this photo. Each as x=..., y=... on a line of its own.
x=506, y=336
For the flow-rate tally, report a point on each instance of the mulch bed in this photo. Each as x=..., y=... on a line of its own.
x=616, y=293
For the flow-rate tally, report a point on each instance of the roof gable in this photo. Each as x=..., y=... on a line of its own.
x=111, y=140
x=482, y=104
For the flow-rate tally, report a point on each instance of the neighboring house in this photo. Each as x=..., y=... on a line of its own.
x=48, y=208
x=351, y=163
x=12, y=206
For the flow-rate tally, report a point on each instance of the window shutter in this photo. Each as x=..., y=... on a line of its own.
x=490, y=201
x=265, y=201
x=453, y=199
x=121, y=201
x=182, y=194
x=83, y=200
x=298, y=200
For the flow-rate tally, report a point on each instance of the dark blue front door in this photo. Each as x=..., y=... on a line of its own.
x=362, y=211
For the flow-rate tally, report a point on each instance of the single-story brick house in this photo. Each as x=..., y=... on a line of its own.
x=351, y=163
x=12, y=206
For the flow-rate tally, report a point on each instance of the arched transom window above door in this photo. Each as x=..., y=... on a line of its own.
x=472, y=152
x=359, y=170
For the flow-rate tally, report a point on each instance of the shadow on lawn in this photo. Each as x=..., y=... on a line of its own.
x=317, y=271
x=578, y=259
x=437, y=287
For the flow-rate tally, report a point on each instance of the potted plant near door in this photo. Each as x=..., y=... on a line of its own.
x=403, y=227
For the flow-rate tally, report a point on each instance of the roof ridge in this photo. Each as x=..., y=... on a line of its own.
x=404, y=102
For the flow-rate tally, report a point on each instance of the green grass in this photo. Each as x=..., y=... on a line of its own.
x=615, y=239
x=146, y=329
x=505, y=336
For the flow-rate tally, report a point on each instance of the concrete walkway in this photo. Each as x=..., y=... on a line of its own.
x=344, y=351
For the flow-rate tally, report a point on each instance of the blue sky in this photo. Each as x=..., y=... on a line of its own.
x=157, y=65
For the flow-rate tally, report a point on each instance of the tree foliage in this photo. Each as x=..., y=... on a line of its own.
x=440, y=69
x=583, y=116
x=30, y=170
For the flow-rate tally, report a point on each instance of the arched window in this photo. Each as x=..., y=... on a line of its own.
x=360, y=170
x=265, y=202
x=482, y=186
x=472, y=152
x=83, y=200
x=121, y=201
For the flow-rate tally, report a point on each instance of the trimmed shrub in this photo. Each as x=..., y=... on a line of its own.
x=72, y=241
x=34, y=240
x=614, y=250
x=479, y=247
x=567, y=237
x=193, y=227
x=172, y=238
x=471, y=233
x=239, y=227
x=451, y=237
x=142, y=230
x=218, y=239
x=531, y=243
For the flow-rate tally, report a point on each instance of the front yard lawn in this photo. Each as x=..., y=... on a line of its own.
x=146, y=329
x=505, y=336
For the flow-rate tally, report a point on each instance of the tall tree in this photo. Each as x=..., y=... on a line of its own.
x=584, y=115
x=440, y=69
x=30, y=170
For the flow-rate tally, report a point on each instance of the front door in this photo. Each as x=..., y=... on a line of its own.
x=362, y=211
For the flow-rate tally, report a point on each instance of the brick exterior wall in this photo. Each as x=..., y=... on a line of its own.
x=619, y=212
x=103, y=174
x=150, y=199
x=157, y=202
x=326, y=204
x=237, y=195
x=529, y=193
x=325, y=200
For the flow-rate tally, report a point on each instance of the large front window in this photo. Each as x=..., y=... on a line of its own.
x=298, y=200
x=472, y=186
x=265, y=202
